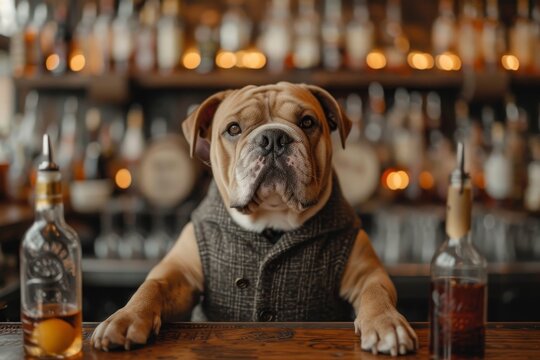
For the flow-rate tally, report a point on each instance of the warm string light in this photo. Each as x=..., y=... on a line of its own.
x=376, y=60
x=77, y=62
x=448, y=61
x=191, y=59
x=510, y=62
x=226, y=60
x=52, y=62
x=395, y=179
x=426, y=180
x=123, y=179
x=420, y=60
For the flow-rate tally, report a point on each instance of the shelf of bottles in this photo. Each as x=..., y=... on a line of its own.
x=123, y=163
x=153, y=44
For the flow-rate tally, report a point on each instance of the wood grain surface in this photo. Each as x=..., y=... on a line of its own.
x=279, y=341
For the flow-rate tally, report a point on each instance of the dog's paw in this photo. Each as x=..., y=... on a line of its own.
x=125, y=328
x=388, y=332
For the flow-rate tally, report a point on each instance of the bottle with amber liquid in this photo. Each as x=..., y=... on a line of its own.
x=50, y=272
x=458, y=299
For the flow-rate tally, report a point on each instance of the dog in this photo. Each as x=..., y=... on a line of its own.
x=273, y=240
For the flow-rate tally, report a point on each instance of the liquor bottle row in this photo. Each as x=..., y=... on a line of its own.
x=405, y=153
x=156, y=38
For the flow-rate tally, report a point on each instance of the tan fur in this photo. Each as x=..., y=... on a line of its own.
x=173, y=286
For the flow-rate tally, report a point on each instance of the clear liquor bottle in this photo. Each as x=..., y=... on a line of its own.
x=276, y=35
x=333, y=34
x=100, y=59
x=123, y=33
x=395, y=42
x=359, y=36
x=170, y=37
x=458, y=299
x=469, y=35
x=17, y=42
x=444, y=28
x=520, y=36
x=50, y=271
x=493, y=36
x=235, y=29
x=307, y=49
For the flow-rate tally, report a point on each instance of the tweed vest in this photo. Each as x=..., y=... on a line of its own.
x=296, y=278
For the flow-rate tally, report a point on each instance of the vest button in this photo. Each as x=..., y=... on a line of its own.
x=266, y=315
x=241, y=283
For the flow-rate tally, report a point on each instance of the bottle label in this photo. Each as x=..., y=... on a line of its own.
x=458, y=215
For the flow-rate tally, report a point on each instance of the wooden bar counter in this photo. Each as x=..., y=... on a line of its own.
x=281, y=341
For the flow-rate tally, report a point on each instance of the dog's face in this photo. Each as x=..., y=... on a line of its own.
x=269, y=146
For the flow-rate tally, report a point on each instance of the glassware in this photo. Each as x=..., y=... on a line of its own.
x=17, y=43
x=100, y=57
x=145, y=42
x=50, y=270
x=170, y=40
x=520, y=35
x=235, y=29
x=131, y=245
x=469, y=38
x=123, y=32
x=493, y=36
x=394, y=40
x=108, y=241
x=307, y=49
x=458, y=299
x=159, y=240
x=444, y=28
x=333, y=33
x=276, y=35
x=360, y=35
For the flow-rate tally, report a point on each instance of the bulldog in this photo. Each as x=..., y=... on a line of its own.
x=273, y=240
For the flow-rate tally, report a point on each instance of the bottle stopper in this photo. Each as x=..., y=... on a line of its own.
x=47, y=164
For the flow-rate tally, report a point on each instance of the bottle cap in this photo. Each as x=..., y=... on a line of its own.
x=48, y=163
x=459, y=176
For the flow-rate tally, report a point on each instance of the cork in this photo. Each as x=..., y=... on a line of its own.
x=458, y=207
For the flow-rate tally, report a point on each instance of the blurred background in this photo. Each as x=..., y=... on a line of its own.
x=110, y=81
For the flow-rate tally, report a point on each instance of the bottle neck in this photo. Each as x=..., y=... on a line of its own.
x=48, y=201
x=52, y=213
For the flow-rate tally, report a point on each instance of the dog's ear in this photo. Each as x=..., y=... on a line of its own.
x=196, y=127
x=334, y=113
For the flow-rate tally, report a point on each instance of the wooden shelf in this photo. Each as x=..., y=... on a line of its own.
x=235, y=78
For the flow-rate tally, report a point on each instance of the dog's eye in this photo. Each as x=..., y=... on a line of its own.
x=234, y=129
x=306, y=122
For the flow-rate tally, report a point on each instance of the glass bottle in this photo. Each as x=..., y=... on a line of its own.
x=493, y=36
x=34, y=57
x=170, y=41
x=123, y=32
x=100, y=59
x=468, y=42
x=375, y=127
x=133, y=144
x=235, y=30
x=458, y=299
x=498, y=166
x=145, y=43
x=17, y=42
x=68, y=138
x=332, y=32
x=516, y=147
x=535, y=36
x=54, y=42
x=306, y=48
x=532, y=193
x=207, y=37
x=520, y=35
x=395, y=43
x=359, y=36
x=276, y=35
x=50, y=271
x=83, y=38
x=444, y=28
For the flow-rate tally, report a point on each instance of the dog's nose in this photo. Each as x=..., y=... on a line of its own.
x=273, y=140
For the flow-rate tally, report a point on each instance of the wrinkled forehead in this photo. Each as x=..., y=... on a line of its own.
x=272, y=100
